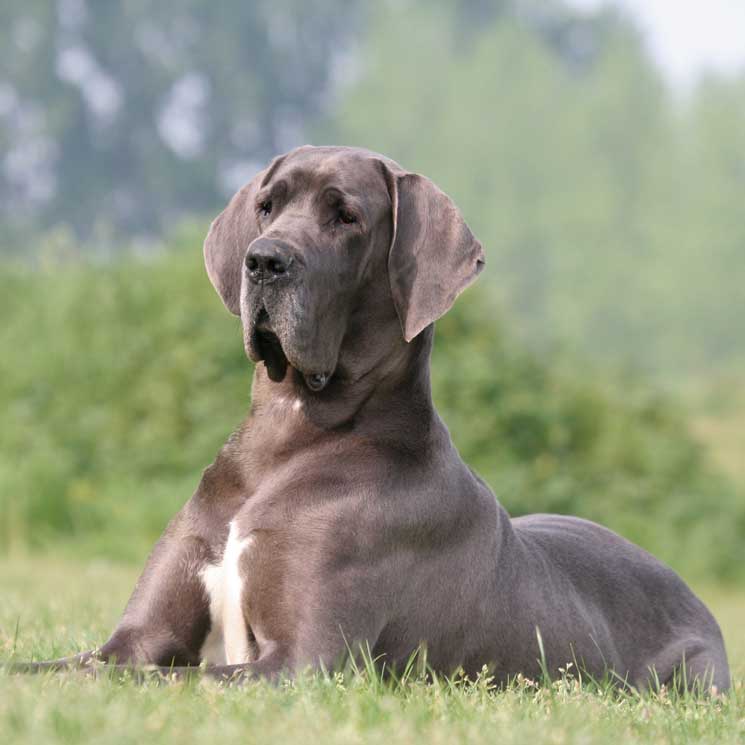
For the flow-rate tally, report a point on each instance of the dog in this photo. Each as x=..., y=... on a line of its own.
x=340, y=516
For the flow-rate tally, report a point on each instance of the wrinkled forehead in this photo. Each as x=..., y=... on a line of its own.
x=355, y=173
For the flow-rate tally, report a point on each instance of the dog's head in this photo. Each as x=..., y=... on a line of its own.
x=330, y=242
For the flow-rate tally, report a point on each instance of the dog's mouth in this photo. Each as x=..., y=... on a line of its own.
x=265, y=345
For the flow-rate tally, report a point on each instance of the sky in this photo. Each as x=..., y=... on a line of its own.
x=688, y=37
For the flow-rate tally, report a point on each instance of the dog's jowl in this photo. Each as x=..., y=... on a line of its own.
x=340, y=514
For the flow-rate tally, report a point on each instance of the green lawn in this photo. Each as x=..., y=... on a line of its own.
x=52, y=607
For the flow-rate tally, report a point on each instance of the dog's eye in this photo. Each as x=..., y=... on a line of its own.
x=347, y=217
x=265, y=207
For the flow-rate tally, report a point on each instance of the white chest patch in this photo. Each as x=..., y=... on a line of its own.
x=227, y=641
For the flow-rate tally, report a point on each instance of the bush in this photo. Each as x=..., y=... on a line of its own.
x=119, y=383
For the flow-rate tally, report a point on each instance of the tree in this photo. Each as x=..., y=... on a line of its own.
x=610, y=214
x=131, y=114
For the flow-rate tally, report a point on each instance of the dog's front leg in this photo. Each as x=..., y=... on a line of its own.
x=167, y=617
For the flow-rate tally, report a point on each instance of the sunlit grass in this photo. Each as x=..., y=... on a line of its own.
x=52, y=607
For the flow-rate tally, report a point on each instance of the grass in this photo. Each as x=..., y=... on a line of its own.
x=52, y=607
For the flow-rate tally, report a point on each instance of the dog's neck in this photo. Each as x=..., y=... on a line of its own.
x=388, y=397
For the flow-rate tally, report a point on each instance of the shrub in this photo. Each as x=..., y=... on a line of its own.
x=119, y=383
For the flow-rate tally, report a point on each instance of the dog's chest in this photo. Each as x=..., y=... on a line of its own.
x=227, y=641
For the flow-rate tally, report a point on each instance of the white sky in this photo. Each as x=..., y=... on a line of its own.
x=688, y=37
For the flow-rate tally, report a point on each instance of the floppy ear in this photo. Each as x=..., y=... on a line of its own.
x=229, y=237
x=226, y=243
x=433, y=255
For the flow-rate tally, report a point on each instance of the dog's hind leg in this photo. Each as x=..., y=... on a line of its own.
x=692, y=666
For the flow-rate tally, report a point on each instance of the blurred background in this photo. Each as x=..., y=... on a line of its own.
x=597, y=150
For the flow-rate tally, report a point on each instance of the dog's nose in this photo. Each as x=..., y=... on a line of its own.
x=267, y=260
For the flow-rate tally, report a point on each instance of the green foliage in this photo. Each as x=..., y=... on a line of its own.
x=119, y=382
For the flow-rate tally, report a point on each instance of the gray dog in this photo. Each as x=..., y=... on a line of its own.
x=340, y=513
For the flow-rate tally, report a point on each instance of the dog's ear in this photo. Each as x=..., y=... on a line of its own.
x=433, y=255
x=227, y=241
x=229, y=237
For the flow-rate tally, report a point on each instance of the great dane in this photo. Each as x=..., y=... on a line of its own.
x=340, y=513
